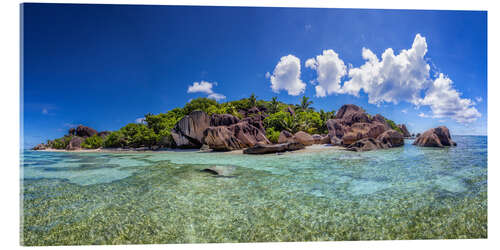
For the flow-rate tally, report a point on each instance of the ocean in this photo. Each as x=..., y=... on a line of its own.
x=410, y=192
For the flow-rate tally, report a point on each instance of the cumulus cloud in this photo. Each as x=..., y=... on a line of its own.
x=202, y=87
x=445, y=101
x=140, y=120
x=394, y=78
x=216, y=96
x=205, y=87
x=404, y=111
x=330, y=70
x=479, y=99
x=286, y=76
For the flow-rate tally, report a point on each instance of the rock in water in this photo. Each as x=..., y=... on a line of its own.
x=405, y=131
x=225, y=171
x=188, y=132
x=366, y=144
x=435, y=137
x=274, y=148
x=391, y=138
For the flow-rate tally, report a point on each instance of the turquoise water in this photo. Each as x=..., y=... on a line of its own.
x=163, y=197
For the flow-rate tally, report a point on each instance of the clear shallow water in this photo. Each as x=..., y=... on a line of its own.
x=118, y=198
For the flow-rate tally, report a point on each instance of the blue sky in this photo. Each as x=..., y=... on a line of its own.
x=107, y=65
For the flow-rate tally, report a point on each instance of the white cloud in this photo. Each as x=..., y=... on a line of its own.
x=404, y=111
x=479, y=99
x=205, y=87
x=445, y=101
x=423, y=115
x=330, y=69
x=286, y=76
x=393, y=79
x=45, y=111
x=202, y=87
x=268, y=75
x=140, y=120
x=216, y=96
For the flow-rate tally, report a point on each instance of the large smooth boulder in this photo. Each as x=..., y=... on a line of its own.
x=274, y=148
x=84, y=131
x=285, y=137
x=223, y=120
x=391, y=138
x=248, y=134
x=188, y=132
x=335, y=128
x=40, y=146
x=221, y=139
x=405, y=131
x=366, y=144
x=321, y=139
x=381, y=119
x=359, y=131
x=435, y=137
x=304, y=138
x=347, y=109
x=75, y=143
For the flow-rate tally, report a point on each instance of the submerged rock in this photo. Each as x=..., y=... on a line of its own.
x=274, y=148
x=435, y=137
x=218, y=170
x=391, y=138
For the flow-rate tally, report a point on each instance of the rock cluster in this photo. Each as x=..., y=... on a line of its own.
x=76, y=137
x=355, y=129
x=435, y=137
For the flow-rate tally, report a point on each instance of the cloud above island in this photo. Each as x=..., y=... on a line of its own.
x=286, y=76
x=206, y=88
x=330, y=69
x=394, y=78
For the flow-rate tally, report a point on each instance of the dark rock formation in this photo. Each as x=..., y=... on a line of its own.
x=381, y=119
x=405, y=131
x=256, y=121
x=75, y=143
x=362, y=130
x=188, y=132
x=248, y=134
x=435, y=137
x=321, y=139
x=391, y=138
x=40, y=146
x=221, y=139
x=104, y=134
x=366, y=144
x=285, y=137
x=217, y=170
x=72, y=131
x=418, y=134
x=223, y=120
x=84, y=131
x=274, y=148
x=304, y=138
x=335, y=129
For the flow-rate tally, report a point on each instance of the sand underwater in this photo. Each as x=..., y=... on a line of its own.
x=317, y=195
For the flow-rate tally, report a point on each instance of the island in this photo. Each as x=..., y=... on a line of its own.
x=254, y=126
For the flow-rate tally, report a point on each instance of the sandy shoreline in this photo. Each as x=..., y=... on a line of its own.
x=308, y=149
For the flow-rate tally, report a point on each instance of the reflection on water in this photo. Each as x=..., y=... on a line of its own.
x=116, y=198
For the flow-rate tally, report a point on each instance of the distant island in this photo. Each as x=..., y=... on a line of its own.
x=256, y=126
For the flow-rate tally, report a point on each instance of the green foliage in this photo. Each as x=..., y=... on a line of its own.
x=304, y=105
x=272, y=135
x=308, y=121
x=132, y=135
x=202, y=103
x=393, y=125
x=92, y=142
x=280, y=121
x=60, y=143
x=274, y=105
x=252, y=100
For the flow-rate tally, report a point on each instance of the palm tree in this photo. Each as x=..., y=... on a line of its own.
x=252, y=100
x=274, y=105
x=305, y=104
